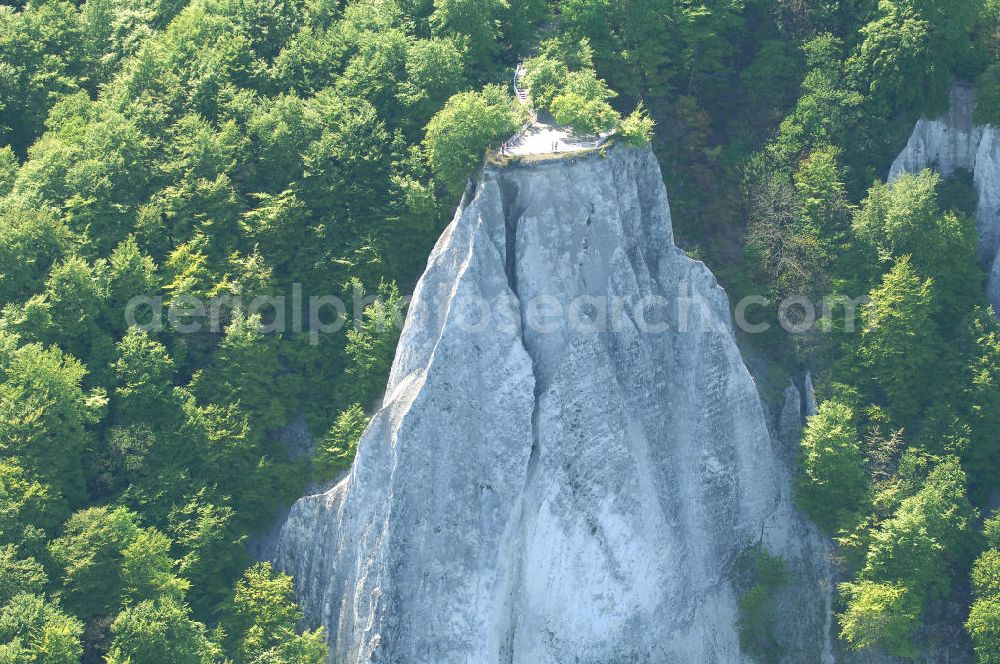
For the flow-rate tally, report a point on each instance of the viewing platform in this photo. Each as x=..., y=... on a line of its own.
x=543, y=138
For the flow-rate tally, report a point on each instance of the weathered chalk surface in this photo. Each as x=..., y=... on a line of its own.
x=573, y=494
x=952, y=143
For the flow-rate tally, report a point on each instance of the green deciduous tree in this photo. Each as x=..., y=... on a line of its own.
x=904, y=218
x=77, y=295
x=19, y=576
x=458, y=135
x=582, y=103
x=89, y=554
x=44, y=414
x=154, y=625
x=131, y=274
x=8, y=169
x=42, y=49
x=160, y=632
x=991, y=529
x=826, y=107
x=371, y=343
x=984, y=617
x=562, y=80
x=224, y=451
x=147, y=571
x=900, y=346
x=988, y=28
x=988, y=96
x=824, y=208
x=346, y=169
x=376, y=71
x=705, y=30
x=835, y=484
x=880, y=615
x=278, y=224
x=434, y=72
x=545, y=77
x=210, y=549
x=637, y=128
x=244, y=371
x=337, y=449
x=982, y=396
x=33, y=630
x=771, y=78
x=30, y=242
x=927, y=540
x=144, y=382
x=589, y=116
x=476, y=23
x=29, y=509
x=636, y=43
x=263, y=619
x=910, y=49
x=984, y=626
x=115, y=29
x=986, y=574
x=762, y=575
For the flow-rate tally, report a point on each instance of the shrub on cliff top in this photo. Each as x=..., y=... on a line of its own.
x=459, y=133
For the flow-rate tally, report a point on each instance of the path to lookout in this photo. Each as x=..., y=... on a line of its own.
x=541, y=135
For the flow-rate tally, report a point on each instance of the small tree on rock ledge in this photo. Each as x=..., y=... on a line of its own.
x=460, y=132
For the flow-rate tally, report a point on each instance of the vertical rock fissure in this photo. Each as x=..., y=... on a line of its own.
x=508, y=200
x=512, y=217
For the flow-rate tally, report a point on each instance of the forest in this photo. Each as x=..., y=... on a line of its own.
x=245, y=151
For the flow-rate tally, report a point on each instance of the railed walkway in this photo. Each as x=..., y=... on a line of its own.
x=542, y=138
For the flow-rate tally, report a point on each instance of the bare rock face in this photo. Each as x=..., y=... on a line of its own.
x=955, y=143
x=559, y=488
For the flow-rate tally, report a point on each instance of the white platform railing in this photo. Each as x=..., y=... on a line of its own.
x=595, y=143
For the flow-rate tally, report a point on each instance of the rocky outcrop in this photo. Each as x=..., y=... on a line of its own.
x=790, y=419
x=572, y=487
x=954, y=143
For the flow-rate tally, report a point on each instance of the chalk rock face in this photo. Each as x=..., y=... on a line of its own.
x=542, y=487
x=954, y=143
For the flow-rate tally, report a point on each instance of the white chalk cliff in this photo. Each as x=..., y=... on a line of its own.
x=542, y=489
x=952, y=143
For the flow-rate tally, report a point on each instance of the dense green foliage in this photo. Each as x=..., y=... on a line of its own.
x=889, y=458
x=903, y=450
x=336, y=451
x=563, y=82
x=988, y=96
x=263, y=622
x=760, y=576
x=458, y=136
x=236, y=165
x=880, y=615
x=637, y=127
x=834, y=482
x=984, y=617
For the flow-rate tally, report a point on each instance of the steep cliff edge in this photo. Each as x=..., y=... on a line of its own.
x=559, y=488
x=953, y=143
